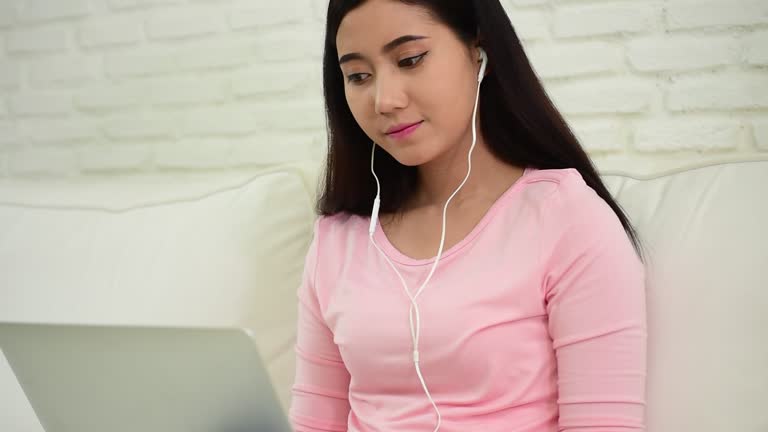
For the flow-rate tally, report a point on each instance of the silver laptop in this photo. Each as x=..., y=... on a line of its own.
x=81, y=378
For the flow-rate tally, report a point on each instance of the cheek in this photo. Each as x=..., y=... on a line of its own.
x=447, y=108
x=361, y=109
x=446, y=97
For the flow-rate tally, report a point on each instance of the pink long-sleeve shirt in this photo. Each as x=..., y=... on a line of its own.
x=534, y=322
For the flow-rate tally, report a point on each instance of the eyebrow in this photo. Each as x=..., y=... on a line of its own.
x=385, y=49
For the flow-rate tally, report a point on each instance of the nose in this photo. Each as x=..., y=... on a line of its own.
x=390, y=95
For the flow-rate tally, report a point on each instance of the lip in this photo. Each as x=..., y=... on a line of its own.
x=403, y=130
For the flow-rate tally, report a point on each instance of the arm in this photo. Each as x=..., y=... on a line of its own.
x=595, y=296
x=320, y=391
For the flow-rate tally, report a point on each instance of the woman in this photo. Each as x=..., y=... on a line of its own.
x=534, y=320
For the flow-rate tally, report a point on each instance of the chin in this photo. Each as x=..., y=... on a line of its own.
x=412, y=157
x=414, y=153
x=410, y=163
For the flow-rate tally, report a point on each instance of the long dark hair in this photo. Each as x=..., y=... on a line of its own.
x=519, y=122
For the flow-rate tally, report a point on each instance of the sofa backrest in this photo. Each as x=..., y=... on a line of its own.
x=217, y=250
x=706, y=235
x=228, y=250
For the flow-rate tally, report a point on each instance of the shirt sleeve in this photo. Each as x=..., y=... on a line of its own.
x=595, y=299
x=319, y=400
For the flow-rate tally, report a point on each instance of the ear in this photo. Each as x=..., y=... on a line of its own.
x=477, y=45
x=482, y=54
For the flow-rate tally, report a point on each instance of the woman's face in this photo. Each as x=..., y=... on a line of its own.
x=401, y=67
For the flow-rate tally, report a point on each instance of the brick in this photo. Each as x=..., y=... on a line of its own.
x=687, y=14
x=181, y=91
x=58, y=131
x=605, y=19
x=230, y=120
x=262, y=14
x=694, y=134
x=64, y=69
x=756, y=48
x=9, y=135
x=673, y=53
x=8, y=13
x=45, y=10
x=217, y=55
x=132, y=4
x=47, y=161
x=573, y=59
x=601, y=136
x=760, y=130
x=722, y=91
x=108, y=97
x=290, y=116
x=141, y=62
x=290, y=44
x=110, y=158
x=123, y=4
x=194, y=153
x=10, y=76
x=38, y=40
x=530, y=25
x=140, y=126
x=107, y=31
x=604, y=95
x=253, y=151
x=161, y=61
x=41, y=103
x=184, y=22
x=525, y=3
x=274, y=78
x=3, y=164
x=319, y=9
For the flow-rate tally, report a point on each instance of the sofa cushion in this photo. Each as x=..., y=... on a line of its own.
x=706, y=237
x=155, y=250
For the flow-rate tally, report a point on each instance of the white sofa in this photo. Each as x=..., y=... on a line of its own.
x=227, y=250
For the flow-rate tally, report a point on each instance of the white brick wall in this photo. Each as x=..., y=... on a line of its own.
x=104, y=86
x=653, y=84
x=602, y=18
x=720, y=91
x=695, y=14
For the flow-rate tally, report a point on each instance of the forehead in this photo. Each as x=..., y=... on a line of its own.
x=376, y=22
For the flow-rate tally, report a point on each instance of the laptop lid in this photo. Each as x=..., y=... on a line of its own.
x=84, y=378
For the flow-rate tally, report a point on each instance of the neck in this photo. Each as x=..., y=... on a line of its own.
x=439, y=178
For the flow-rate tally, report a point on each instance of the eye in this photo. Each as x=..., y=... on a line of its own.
x=412, y=61
x=357, y=78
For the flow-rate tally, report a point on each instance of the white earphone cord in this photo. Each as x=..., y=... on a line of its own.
x=414, y=309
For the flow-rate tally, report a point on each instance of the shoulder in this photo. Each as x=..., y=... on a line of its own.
x=325, y=229
x=335, y=234
x=559, y=179
x=330, y=227
x=336, y=238
x=568, y=197
x=560, y=195
x=574, y=218
x=576, y=221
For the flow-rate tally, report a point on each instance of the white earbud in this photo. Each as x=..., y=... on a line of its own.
x=484, y=60
x=414, y=310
